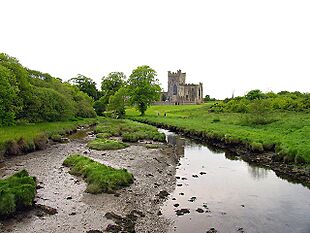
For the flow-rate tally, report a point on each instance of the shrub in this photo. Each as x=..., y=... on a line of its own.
x=99, y=177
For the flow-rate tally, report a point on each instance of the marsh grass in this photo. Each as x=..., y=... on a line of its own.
x=130, y=131
x=106, y=144
x=288, y=133
x=16, y=192
x=99, y=177
x=20, y=139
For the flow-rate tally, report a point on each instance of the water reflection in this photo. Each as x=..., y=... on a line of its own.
x=218, y=189
x=257, y=172
x=178, y=145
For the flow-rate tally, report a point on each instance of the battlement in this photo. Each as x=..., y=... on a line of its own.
x=176, y=74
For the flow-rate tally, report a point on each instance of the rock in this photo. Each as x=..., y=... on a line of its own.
x=243, y=206
x=212, y=230
x=159, y=213
x=72, y=213
x=46, y=209
x=69, y=198
x=183, y=178
x=163, y=194
x=176, y=205
x=179, y=185
x=192, y=199
x=177, y=177
x=39, y=187
x=199, y=210
x=113, y=228
x=173, y=199
x=94, y=231
x=117, y=194
x=182, y=212
x=195, y=176
x=182, y=194
x=64, y=140
x=202, y=173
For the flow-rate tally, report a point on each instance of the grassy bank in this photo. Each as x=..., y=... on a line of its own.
x=128, y=130
x=100, y=178
x=16, y=192
x=288, y=134
x=21, y=139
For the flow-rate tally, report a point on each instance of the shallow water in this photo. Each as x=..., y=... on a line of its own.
x=233, y=195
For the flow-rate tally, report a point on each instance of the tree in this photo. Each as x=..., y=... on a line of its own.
x=112, y=83
x=117, y=103
x=109, y=86
x=87, y=85
x=7, y=96
x=255, y=94
x=143, y=88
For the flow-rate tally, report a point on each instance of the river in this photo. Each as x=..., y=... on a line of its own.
x=229, y=195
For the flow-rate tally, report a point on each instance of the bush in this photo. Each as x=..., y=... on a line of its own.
x=99, y=177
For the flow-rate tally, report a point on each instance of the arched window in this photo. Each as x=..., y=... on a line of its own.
x=175, y=89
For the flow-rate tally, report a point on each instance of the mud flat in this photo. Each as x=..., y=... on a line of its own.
x=62, y=205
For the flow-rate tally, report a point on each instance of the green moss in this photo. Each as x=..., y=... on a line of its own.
x=106, y=144
x=16, y=192
x=99, y=177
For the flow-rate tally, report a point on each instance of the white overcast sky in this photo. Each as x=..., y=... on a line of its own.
x=228, y=45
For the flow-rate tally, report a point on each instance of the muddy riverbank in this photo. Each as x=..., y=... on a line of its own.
x=266, y=158
x=77, y=211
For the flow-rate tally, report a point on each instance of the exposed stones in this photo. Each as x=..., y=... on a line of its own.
x=46, y=209
x=192, y=199
x=176, y=205
x=123, y=224
x=199, y=210
x=163, y=194
x=195, y=176
x=202, y=173
x=181, y=212
x=212, y=230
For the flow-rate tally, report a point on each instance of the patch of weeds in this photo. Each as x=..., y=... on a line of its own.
x=16, y=192
x=99, y=177
x=103, y=135
x=152, y=146
x=106, y=144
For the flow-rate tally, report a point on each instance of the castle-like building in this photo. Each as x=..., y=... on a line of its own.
x=179, y=92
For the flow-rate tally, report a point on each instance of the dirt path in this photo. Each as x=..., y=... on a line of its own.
x=77, y=211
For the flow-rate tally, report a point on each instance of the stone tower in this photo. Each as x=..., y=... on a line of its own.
x=175, y=80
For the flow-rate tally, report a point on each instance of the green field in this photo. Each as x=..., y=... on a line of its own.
x=24, y=137
x=288, y=134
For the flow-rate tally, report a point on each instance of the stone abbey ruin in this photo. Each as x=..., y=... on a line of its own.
x=180, y=92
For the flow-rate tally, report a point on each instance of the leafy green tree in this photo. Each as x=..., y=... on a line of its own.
x=112, y=83
x=7, y=96
x=143, y=88
x=117, y=103
x=87, y=85
x=255, y=94
x=109, y=86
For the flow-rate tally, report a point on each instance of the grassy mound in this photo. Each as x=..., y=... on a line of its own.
x=106, y=144
x=130, y=131
x=99, y=177
x=16, y=192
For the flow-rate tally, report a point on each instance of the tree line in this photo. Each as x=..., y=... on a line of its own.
x=32, y=96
